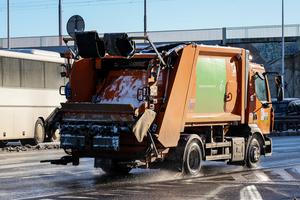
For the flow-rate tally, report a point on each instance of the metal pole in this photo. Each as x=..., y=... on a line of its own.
x=59, y=23
x=8, y=24
x=145, y=17
x=283, y=50
x=224, y=36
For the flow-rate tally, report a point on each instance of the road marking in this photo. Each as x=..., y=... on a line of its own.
x=44, y=170
x=278, y=192
x=213, y=194
x=51, y=152
x=3, y=167
x=284, y=174
x=38, y=176
x=250, y=192
x=263, y=177
x=239, y=178
x=76, y=197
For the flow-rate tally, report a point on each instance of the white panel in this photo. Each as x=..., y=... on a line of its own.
x=20, y=108
x=30, y=97
x=19, y=122
x=1, y=72
x=7, y=123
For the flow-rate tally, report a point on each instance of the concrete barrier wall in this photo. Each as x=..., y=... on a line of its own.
x=175, y=35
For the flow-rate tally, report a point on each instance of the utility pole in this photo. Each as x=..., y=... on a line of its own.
x=283, y=49
x=145, y=17
x=59, y=23
x=8, y=23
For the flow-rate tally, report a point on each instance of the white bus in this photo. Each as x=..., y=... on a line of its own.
x=29, y=82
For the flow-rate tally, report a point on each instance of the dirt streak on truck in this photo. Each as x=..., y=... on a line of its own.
x=177, y=104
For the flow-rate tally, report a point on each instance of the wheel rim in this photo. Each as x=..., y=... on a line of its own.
x=254, y=154
x=194, y=159
x=39, y=132
x=56, y=136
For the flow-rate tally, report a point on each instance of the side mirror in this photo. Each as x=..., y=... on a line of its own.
x=279, y=88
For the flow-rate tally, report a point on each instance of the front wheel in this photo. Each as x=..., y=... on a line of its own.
x=192, y=159
x=253, y=153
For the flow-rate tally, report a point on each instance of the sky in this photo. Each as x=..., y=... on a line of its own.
x=40, y=17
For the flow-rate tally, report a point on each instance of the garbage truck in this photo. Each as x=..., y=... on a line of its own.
x=181, y=104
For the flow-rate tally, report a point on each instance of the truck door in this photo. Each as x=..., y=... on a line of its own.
x=262, y=98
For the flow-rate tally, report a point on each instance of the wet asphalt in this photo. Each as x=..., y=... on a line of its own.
x=22, y=176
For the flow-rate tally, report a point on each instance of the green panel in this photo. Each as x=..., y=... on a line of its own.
x=211, y=85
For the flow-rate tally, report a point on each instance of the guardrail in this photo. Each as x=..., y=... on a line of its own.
x=287, y=123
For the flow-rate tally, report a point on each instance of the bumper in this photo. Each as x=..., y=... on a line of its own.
x=94, y=127
x=85, y=137
x=268, y=146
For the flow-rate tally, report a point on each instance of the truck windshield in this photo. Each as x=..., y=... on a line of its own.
x=261, y=88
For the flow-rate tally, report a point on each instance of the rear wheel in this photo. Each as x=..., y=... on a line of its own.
x=192, y=159
x=3, y=143
x=115, y=168
x=55, y=136
x=253, y=153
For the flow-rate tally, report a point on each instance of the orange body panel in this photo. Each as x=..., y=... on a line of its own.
x=258, y=114
x=180, y=111
x=173, y=116
x=82, y=80
x=185, y=87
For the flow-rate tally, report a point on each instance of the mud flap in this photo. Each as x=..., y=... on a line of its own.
x=143, y=124
x=268, y=146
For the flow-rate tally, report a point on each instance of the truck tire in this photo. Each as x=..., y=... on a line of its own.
x=55, y=135
x=115, y=168
x=253, y=153
x=3, y=143
x=192, y=158
x=39, y=134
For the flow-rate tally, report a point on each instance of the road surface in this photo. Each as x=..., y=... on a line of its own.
x=278, y=177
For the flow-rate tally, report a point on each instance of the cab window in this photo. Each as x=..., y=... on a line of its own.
x=260, y=87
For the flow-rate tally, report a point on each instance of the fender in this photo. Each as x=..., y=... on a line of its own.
x=255, y=130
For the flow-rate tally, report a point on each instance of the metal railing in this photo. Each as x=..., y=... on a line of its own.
x=174, y=35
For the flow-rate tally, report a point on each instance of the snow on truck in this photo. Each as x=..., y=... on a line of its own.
x=180, y=104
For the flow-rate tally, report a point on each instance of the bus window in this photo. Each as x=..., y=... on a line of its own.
x=32, y=73
x=52, y=75
x=11, y=72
